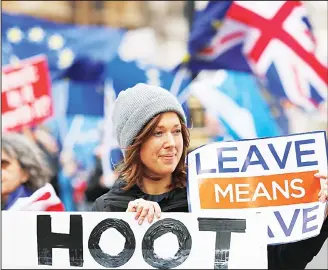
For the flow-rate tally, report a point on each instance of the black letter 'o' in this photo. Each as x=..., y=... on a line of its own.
x=158, y=229
x=105, y=259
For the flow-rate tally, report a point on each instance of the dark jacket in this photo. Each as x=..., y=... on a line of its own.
x=116, y=200
x=298, y=254
x=285, y=256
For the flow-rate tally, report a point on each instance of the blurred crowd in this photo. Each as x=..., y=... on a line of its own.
x=36, y=151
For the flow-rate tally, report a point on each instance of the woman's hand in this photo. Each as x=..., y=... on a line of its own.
x=144, y=209
x=323, y=194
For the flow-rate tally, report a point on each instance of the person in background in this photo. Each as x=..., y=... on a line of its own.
x=151, y=130
x=25, y=176
x=98, y=184
x=48, y=144
x=189, y=9
x=68, y=172
x=95, y=187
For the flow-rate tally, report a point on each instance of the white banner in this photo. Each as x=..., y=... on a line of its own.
x=74, y=240
x=274, y=176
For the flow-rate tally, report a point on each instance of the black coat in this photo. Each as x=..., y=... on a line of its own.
x=284, y=256
x=298, y=254
x=116, y=200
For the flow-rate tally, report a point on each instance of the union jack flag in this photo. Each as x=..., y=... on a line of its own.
x=273, y=40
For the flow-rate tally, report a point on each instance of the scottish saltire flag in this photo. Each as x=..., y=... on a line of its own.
x=234, y=98
x=273, y=40
x=87, y=47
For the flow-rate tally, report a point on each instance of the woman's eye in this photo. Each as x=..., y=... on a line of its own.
x=158, y=133
x=178, y=131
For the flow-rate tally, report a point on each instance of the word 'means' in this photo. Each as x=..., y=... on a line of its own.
x=243, y=193
x=258, y=191
x=255, y=157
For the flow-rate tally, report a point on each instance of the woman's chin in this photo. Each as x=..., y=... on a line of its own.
x=168, y=170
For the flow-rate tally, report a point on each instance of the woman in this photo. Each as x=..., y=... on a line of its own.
x=151, y=130
x=25, y=176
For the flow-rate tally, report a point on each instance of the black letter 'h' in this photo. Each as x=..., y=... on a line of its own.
x=47, y=240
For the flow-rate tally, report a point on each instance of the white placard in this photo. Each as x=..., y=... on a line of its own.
x=24, y=233
x=274, y=176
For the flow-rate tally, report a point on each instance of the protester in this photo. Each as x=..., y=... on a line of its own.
x=151, y=130
x=25, y=176
x=134, y=108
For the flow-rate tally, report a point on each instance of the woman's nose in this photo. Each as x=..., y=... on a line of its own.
x=170, y=142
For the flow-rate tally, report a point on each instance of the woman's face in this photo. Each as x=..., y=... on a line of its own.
x=162, y=152
x=12, y=174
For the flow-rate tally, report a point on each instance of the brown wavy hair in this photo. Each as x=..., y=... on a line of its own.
x=132, y=170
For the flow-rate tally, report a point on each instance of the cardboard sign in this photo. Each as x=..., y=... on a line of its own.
x=73, y=240
x=25, y=94
x=274, y=176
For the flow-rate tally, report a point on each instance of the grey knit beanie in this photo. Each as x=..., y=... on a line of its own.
x=136, y=106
